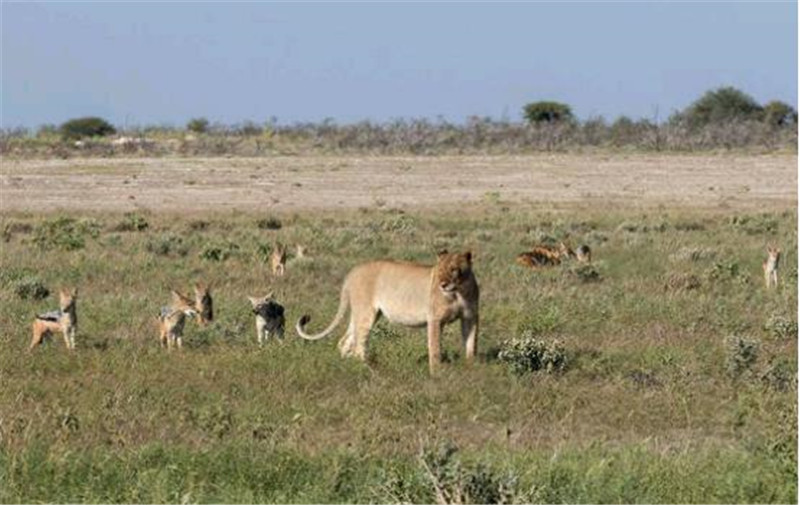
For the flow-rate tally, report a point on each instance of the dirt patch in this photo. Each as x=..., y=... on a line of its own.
x=296, y=183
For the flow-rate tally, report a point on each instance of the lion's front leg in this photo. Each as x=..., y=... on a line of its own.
x=469, y=335
x=434, y=348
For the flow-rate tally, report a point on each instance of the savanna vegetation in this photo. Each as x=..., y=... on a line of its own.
x=662, y=372
x=721, y=119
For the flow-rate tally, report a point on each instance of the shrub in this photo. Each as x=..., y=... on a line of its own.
x=166, y=245
x=781, y=327
x=755, y=225
x=693, y=254
x=199, y=225
x=86, y=127
x=677, y=281
x=547, y=112
x=132, y=222
x=720, y=106
x=452, y=481
x=530, y=354
x=741, y=354
x=64, y=233
x=724, y=271
x=778, y=114
x=14, y=228
x=31, y=288
x=269, y=223
x=779, y=374
x=219, y=252
x=197, y=125
x=586, y=273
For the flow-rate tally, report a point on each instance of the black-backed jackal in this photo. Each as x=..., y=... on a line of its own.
x=203, y=303
x=770, y=266
x=278, y=260
x=270, y=320
x=64, y=320
x=172, y=319
x=542, y=256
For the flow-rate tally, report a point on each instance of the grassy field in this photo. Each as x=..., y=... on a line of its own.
x=680, y=382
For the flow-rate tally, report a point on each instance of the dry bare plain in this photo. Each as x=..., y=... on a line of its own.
x=340, y=182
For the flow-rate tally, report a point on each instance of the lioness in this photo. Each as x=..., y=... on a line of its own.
x=411, y=295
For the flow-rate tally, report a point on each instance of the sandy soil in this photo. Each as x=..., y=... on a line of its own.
x=296, y=183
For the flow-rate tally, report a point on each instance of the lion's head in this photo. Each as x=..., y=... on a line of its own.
x=452, y=270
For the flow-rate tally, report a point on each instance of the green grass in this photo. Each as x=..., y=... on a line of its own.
x=645, y=410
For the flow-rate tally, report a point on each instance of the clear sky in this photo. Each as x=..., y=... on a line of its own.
x=138, y=63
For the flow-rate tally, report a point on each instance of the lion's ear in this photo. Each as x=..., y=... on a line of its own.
x=442, y=253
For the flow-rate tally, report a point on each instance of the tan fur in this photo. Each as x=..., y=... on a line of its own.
x=67, y=323
x=546, y=255
x=770, y=266
x=300, y=251
x=171, y=324
x=203, y=303
x=539, y=257
x=411, y=295
x=278, y=260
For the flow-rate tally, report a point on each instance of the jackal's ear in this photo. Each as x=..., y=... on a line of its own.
x=177, y=297
x=255, y=301
x=441, y=254
x=270, y=296
x=468, y=257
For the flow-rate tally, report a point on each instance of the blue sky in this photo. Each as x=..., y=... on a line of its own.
x=163, y=63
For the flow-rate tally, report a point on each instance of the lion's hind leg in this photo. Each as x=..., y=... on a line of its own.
x=363, y=324
x=347, y=343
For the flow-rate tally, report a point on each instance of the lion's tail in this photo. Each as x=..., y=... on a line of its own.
x=343, y=303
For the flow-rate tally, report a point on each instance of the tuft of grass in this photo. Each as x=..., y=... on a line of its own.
x=65, y=233
x=31, y=288
x=219, y=251
x=741, y=354
x=530, y=354
x=269, y=223
x=781, y=327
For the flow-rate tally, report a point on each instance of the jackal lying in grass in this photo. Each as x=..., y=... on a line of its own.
x=541, y=256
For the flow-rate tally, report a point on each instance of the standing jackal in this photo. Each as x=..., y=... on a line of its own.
x=203, y=303
x=278, y=260
x=172, y=319
x=269, y=318
x=64, y=320
x=770, y=266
